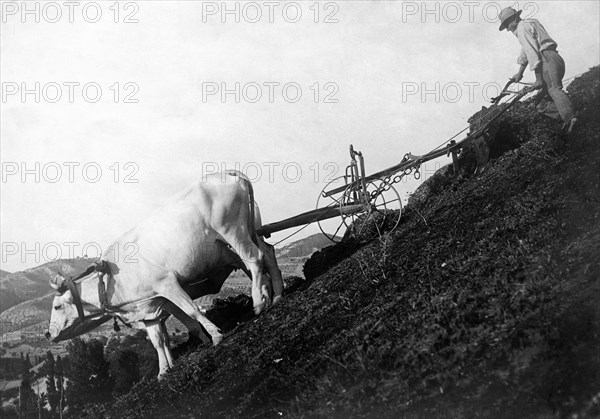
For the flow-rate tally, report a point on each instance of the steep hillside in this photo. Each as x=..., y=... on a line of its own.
x=483, y=303
x=28, y=313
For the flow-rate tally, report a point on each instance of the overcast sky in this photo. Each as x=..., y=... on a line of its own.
x=389, y=77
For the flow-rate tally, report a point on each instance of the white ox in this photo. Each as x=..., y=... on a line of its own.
x=185, y=250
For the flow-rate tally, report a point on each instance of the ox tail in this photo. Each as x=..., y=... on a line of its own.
x=251, y=212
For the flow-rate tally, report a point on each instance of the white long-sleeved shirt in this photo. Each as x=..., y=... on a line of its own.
x=534, y=39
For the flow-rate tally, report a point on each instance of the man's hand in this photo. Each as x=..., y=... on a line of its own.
x=517, y=77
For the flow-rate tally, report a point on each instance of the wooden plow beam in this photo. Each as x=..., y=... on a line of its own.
x=309, y=217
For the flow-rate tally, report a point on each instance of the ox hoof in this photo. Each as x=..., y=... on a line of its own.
x=259, y=308
x=277, y=299
x=217, y=339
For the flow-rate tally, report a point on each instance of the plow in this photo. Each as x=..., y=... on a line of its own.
x=356, y=196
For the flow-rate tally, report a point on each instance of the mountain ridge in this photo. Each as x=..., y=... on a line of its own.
x=18, y=288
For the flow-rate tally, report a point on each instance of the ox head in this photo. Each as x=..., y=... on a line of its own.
x=67, y=320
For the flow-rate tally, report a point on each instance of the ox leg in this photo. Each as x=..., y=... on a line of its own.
x=252, y=257
x=195, y=328
x=172, y=291
x=270, y=263
x=156, y=333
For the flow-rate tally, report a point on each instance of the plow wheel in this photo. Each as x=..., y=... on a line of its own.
x=382, y=213
x=334, y=228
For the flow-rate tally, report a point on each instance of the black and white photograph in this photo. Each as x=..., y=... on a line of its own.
x=300, y=209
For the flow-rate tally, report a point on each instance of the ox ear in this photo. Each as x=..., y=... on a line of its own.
x=58, y=283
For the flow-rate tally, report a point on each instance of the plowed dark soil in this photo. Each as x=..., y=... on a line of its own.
x=483, y=303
